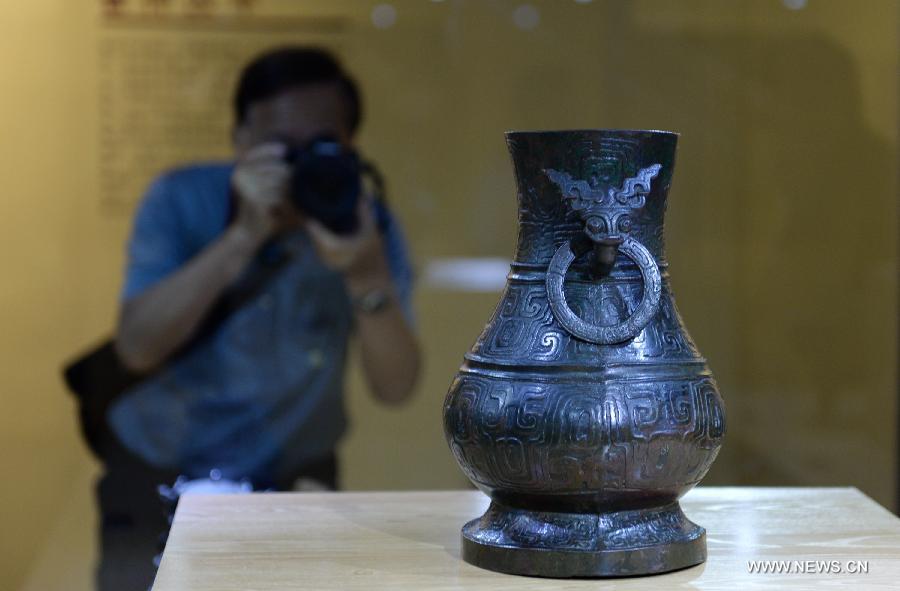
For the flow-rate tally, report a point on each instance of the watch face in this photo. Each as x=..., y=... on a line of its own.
x=373, y=301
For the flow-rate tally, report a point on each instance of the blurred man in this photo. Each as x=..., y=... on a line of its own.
x=260, y=397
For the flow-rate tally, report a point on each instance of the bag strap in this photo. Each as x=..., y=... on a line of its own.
x=269, y=261
x=264, y=270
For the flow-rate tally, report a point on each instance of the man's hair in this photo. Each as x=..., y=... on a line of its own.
x=286, y=68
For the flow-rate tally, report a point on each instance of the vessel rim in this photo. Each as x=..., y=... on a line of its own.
x=589, y=130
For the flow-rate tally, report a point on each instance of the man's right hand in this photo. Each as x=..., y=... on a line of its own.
x=155, y=323
x=261, y=181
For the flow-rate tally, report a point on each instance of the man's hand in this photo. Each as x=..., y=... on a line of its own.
x=261, y=181
x=359, y=256
x=389, y=348
x=157, y=322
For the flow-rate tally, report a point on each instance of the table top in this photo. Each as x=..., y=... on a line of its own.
x=825, y=537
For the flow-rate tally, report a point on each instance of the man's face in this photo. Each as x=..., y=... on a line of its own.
x=296, y=115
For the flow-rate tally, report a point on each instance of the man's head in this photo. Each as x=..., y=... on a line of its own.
x=294, y=94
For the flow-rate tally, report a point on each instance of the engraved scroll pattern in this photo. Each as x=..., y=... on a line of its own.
x=564, y=437
x=524, y=326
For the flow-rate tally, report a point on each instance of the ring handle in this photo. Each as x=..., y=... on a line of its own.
x=616, y=333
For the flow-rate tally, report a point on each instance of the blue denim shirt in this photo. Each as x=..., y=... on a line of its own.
x=264, y=393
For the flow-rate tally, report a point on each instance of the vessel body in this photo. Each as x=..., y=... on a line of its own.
x=584, y=409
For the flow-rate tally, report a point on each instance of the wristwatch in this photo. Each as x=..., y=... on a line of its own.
x=374, y=300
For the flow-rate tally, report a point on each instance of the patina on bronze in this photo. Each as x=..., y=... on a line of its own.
x=584, y=410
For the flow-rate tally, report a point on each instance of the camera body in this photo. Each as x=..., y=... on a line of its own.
x=326, y=182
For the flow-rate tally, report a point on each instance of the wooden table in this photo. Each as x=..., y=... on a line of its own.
x=410, y=540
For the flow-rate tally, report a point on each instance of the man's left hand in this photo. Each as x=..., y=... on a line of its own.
x=390, y=350
x=358, y=256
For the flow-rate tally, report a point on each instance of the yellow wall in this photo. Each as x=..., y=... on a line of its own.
x=782, y=228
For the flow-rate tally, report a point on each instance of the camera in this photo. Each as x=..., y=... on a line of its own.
x=326, y=182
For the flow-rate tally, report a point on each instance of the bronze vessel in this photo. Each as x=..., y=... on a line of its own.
x=584, y=410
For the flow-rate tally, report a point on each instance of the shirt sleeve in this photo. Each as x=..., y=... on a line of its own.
x=398, y=259
x=157, y=244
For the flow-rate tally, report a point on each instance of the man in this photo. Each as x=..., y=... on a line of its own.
x=261, y=396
